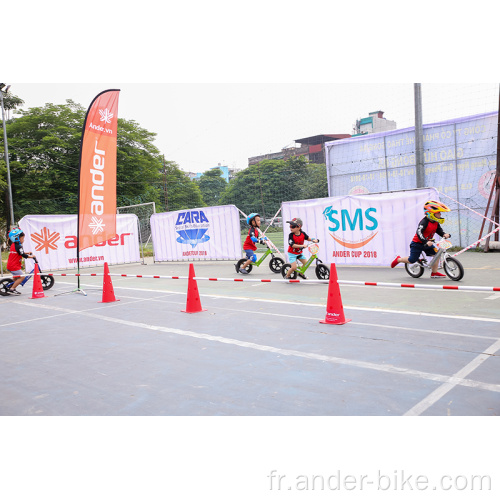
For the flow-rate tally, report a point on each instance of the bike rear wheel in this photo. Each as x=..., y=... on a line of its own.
x=241, y=261
x=275, y=264
x=453, y=269
x=415, y=270
x=284, y=270
x=4, y=285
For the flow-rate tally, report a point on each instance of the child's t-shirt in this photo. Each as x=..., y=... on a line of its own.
x=248, y=243
x=16, y=255
x=296, y=239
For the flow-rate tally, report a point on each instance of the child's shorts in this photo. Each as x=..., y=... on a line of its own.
x=251, y=255
x=292, y=257
x=20, y=272
x=417, y=248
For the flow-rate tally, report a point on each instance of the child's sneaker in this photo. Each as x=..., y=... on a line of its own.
x=395, y=262
x=303, y=276
x=438, y=275
x=13, y=292
x=243, y=271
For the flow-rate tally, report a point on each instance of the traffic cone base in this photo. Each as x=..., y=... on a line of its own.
x=108, y=294
x=193, y=303
x=334, y=307
x=37, y=285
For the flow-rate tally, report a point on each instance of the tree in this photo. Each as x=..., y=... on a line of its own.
x=44, y=151
x=179, y=191
x=212, y=185
x=263, y=187
x=315, y=183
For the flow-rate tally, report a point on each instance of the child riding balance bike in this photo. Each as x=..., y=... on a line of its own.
x=245, y=266
x=423, y=242
x=296, y=244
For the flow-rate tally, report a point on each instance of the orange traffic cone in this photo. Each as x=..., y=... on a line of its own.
x=108, y=294
x=193, y=303
x=334, y=307
x=37, y=285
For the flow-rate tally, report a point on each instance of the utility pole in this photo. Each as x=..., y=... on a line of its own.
x=494, y=193
x=2, y=86
x=419, y=136
x=165, y=180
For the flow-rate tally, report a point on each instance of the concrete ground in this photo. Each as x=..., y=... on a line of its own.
x=258, y=349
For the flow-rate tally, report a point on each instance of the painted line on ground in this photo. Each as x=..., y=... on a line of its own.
x=385, y=368
x=322, y=305
x=453, y=381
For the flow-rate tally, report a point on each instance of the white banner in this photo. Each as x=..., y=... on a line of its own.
x=52, y=238
x=361, y=230
x=208, y=233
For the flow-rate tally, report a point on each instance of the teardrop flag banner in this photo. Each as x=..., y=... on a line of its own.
x=97, y=180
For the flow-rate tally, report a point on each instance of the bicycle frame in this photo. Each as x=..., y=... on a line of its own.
x=263, y=257
x=304, y=267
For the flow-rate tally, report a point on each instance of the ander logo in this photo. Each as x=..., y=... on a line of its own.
x=348, y=221
x=45, y=240
x=105, y=115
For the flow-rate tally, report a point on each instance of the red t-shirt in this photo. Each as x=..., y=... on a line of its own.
x=249, y=244
x=15, y=257
x=297, y=239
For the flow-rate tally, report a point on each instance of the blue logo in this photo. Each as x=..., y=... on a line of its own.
x=345, y=219
x=191, y=228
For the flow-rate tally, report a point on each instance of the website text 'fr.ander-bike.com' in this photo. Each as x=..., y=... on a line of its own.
x=397, y=480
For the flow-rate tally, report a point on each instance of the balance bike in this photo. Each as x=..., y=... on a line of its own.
x=275, y=264
x=322, y=271
x=47, y=281
x=452, y=267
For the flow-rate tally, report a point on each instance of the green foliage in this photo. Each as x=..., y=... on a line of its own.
x=179, y=191
x=265, y=186
x=212, y=185
x=44, y=153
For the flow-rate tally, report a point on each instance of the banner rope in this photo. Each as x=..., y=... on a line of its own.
x=325, y=282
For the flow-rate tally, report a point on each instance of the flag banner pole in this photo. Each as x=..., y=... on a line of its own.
x=96, y=222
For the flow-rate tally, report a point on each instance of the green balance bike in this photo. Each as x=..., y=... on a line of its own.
x=322, y=271
x=275, y=264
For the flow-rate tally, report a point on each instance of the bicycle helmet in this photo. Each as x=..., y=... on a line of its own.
x=15, y=234
x=431, y=207
x=251, y=217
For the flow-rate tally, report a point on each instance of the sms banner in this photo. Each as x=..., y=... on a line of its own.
x=209, y=233
x=53, y=240
x=360, y=230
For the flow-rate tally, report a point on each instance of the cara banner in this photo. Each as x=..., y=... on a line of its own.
x=210, y=233
x=97, y=182
x=52, y=238
x=360, y=230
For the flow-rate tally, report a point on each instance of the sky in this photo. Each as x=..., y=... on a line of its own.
x=201, y=125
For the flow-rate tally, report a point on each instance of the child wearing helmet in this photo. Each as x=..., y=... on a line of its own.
x=16, y=255
x=422, y=241
x=296, y=245
x=249, y=245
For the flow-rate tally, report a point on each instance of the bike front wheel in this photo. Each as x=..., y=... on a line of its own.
x=275, y=264
x=5, y=285
x=415, y=270
x=47, y=282
x=453, y=269
x=322, y=272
